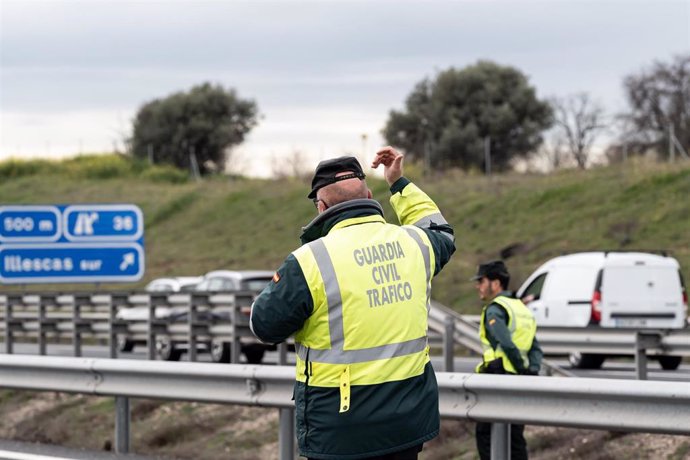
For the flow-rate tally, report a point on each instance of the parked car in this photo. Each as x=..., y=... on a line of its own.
x=253, y=281
x=635, y=290
x=176, y=284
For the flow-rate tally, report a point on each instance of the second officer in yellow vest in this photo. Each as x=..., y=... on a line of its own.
x=507, y=331
x=356, y=297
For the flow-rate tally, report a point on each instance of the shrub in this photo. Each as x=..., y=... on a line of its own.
x=165, y=174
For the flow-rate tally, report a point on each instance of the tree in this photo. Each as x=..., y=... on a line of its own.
x=446, y=120
x=294, y=165
x=659, y=100
x=204, y=123
x=579, y=120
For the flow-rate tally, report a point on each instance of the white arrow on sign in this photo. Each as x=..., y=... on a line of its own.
x=127, y=260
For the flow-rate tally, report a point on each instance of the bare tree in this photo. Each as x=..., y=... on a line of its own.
x=659, y=99
x=579, y=120
x=293, y=165
x=554, y=150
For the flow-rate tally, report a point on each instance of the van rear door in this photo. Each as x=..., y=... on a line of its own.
x=641, y=294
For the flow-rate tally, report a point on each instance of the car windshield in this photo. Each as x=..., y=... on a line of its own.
x=218, y=284
x=255, y=284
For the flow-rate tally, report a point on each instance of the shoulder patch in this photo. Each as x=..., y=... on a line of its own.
x=276, y=277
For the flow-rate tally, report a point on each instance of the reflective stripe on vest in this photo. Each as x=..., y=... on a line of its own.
x=522, y=327
x=427, y=263
x=337, y=354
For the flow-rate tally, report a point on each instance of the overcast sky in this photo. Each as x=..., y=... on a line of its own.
x=323, y=73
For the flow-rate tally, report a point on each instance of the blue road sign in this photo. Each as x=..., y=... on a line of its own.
x=103, y=223
x=30, y=224
x=71, y=243
x=71, y=263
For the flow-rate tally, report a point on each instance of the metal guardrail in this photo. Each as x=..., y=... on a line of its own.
x=50, y=318
x=562, y=340
x=555, y=340
x=464, y=331
x=649, y=406
x=56, y=317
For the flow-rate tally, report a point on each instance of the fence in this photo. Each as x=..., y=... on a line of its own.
x=620, y=405
x=223, y=318
x=55, y=317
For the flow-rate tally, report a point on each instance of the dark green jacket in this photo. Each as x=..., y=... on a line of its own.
x=395, y=415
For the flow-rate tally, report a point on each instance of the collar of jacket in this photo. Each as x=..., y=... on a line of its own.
x=506, y=293
x=324, y=222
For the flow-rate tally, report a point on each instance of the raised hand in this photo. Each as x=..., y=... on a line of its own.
x=392, y=162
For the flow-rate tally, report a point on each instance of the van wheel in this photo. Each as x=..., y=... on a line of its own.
x=585, y=360
x=669, y=363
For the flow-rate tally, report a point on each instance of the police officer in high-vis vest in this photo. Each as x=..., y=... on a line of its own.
x=356, y=297
x=507, y=331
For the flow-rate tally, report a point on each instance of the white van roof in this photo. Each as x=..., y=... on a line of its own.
x=610, y=258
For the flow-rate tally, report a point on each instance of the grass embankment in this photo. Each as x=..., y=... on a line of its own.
x=193, y=227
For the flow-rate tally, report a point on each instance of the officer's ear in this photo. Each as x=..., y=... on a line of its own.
x=369, y=195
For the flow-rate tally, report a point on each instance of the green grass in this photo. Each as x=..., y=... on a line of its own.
x=234, y=223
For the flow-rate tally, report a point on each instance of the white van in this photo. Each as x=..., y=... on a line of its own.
x=607, y=289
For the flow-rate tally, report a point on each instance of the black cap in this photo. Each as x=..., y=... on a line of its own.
x=493, y=270
x=326, y=171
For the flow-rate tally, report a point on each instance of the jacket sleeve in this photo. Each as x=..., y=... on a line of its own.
x=283, y=306
x=535, y=355
x=496, y=323
x=414, y=207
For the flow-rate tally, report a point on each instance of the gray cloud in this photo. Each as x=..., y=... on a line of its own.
x=115, y=55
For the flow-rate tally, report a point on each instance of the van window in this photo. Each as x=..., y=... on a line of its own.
x=533, y=291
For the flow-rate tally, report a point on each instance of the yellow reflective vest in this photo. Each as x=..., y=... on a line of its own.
x=370, y=283
x=522, y=327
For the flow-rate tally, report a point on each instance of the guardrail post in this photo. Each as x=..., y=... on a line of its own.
x=122, y=419
x=282, y=354
x=42, y=326
x=500, y=441
x=286, y=435
x=643, y=341
x=191, y=322
x=8, y=325
x=151, y=332
x=235, y=347
x=112, y=332
x=76, y=331
x=449, y=343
